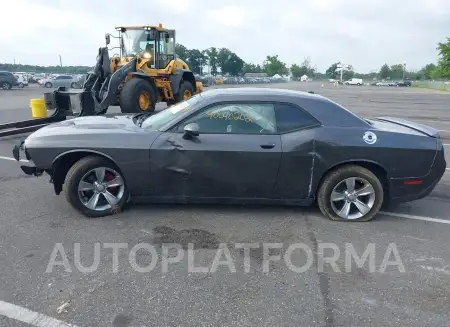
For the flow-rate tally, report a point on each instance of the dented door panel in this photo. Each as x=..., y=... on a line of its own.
x=214, y=165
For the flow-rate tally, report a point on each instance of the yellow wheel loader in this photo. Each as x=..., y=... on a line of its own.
x=146, y=71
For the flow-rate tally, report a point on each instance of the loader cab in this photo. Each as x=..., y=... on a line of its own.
x=152, y=43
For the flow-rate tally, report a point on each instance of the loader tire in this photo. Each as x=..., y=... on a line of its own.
x=137, y=96
x=186, y=91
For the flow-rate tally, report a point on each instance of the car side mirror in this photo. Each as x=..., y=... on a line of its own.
x=191, y=130
x=107, y=39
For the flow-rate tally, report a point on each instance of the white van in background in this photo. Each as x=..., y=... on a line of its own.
x=354, y=81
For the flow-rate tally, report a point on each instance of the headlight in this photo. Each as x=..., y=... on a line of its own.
x=147, y=55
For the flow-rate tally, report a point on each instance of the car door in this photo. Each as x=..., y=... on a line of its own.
x=236, y=154
x=66, y=81
x=297, y=128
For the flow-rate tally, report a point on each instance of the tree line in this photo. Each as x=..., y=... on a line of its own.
x=226, y=62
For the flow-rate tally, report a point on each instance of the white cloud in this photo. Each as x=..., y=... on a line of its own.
x=365, y=33
x=232, y=16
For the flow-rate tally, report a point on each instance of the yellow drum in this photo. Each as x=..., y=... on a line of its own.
x=38, y=108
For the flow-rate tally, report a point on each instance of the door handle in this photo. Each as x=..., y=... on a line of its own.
x=267, y=146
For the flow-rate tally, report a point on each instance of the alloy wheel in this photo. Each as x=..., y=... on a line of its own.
x=352, y=198
x=101, y=188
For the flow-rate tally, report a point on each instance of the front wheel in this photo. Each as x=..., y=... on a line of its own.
x=350, y=193
x=21, y=85
x=95, y=187
x=48, y=85
x=137, y=96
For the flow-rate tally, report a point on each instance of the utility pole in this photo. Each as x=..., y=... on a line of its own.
x=60, y=60
x=404, y=69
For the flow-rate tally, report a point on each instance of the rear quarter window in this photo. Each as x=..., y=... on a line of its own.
x=290, y=118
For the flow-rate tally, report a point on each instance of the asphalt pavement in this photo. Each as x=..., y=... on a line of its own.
x=411, y=290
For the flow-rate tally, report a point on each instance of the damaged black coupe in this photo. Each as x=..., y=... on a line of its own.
x=241, y=145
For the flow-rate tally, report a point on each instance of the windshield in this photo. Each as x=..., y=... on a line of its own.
x=136, y=41
x=156, y=121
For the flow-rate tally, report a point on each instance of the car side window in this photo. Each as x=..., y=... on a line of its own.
x=235, y=118
x=291, y=118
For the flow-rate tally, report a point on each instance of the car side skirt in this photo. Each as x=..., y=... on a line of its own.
x=211, y=200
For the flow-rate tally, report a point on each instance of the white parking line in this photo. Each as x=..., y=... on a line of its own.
x=12, y=159
x=403, y=215
x=30, y=317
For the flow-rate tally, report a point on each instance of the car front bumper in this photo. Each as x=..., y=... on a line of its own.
x=27, y=169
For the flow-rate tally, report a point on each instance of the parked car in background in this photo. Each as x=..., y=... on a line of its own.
x=354, y=81
x=59, y=81
x=22, y=81
x=382, y=84
x=7, y=80
x=403, y=83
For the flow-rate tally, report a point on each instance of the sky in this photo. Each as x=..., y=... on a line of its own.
x=362, y=33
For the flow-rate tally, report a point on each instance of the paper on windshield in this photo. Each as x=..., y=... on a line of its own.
x=181, y=106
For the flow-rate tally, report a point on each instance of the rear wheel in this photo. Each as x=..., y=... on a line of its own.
x=48, y=85
x=95, y=187
x=137, y=96
x=350, y=193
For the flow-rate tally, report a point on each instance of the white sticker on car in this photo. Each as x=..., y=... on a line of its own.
x=370, y=137
x=179, y=106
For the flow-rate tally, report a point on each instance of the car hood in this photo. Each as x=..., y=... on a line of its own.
x=88, y=125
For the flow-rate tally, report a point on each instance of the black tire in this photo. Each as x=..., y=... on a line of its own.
x=73, y=85
x=48, y=85
x=73, y=178
x=132, y=90
x=21, y=85
x=6, y=86
x=333, y=178
x=184, y=86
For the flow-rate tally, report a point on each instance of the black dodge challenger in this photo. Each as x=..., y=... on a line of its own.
x=239, y=145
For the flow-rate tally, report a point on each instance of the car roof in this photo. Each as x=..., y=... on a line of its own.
x=255, y=91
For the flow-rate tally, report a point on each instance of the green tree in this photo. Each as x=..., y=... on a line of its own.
x=305, y=68
x=297, y=71
x=181, y=51
x=273, y=66
x=348, y=73
x=233, y=65
x=195, y=60
x=444, y=59
x=396, y=71
x=211, y=55
x=429, y=70
x=332, y=72
x=222, y=56
x=385, y=72
x=251, y=68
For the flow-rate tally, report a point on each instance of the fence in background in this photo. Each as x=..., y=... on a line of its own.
x=436, y=85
